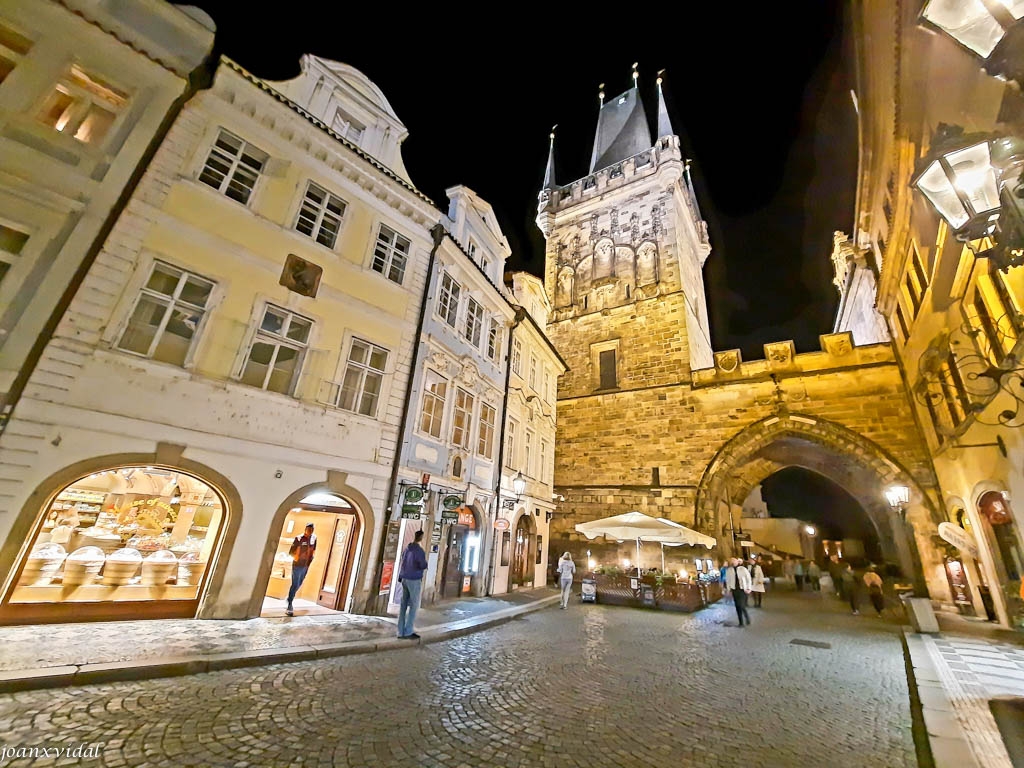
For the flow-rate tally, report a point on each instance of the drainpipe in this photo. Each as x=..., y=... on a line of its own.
x=373, y=606
x=519, y=317
x=198, y=79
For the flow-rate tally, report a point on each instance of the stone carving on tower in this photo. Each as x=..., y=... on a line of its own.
x=630, y=231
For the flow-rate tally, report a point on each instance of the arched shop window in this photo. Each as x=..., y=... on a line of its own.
x=126, y=534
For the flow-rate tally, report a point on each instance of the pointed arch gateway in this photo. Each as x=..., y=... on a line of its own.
x=855, y=463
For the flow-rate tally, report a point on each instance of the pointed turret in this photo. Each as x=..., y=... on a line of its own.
x=621, y=128
x=664, y=123
x=549, y=172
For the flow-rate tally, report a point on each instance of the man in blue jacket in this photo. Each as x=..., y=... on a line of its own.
x=414, y=563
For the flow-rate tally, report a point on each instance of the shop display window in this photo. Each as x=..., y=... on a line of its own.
x=125, y=534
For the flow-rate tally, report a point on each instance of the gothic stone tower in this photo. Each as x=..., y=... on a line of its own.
x=650, y=418
x=625, y=248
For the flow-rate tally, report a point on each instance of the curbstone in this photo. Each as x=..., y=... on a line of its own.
x=258, y=657
x=17, y=680
x=121, y=671
x=90, y=674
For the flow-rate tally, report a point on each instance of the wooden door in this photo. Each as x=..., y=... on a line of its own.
x=451, y=584
x=333, y=584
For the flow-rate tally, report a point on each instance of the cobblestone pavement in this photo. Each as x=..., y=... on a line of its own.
x=35, y=646
x=592, y=686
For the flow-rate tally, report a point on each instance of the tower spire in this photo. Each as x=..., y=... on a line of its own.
x=664, y=124
x=549, y=172
x=597, y=136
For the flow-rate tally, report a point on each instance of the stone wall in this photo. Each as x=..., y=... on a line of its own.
x=649, y=449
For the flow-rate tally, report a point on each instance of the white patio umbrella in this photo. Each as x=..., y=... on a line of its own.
x=641, y=527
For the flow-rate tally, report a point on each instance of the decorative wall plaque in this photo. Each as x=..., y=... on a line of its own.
x=301, y=276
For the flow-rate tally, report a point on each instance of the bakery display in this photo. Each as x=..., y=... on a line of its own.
x=121, y=567
x=43, y=563
x=83, y=566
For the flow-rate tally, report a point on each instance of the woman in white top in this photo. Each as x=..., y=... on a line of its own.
x=758, y=579
x=566, y=569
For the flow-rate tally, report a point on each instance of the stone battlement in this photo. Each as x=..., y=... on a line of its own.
x=643, y=164
x=780, y=358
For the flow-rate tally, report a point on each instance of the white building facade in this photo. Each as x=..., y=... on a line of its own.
x=233, y=366
x=528, y=457
x=447, y=473
x=86, y=91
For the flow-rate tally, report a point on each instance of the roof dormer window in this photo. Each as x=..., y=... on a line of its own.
x=347, y=126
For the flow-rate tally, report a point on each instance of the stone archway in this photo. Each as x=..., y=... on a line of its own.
x=853, y=462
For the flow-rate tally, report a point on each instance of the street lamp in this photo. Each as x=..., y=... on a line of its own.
x=898, y=497
x=519, y=485
x=810, y=530
x=974, y=182
x=989, y=29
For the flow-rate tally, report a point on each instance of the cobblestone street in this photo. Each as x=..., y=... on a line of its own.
x=591, y=686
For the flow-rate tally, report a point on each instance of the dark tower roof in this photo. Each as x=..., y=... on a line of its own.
x=549, y=171
x=621, y=130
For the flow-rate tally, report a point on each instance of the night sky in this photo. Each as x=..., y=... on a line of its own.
x=759, y=96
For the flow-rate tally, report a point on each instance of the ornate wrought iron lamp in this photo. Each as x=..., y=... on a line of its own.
x=974, y=182
x=989, y=29
x=519, y=485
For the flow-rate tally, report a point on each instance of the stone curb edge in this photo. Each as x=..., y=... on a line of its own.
x=936, y=728
x=16, y=681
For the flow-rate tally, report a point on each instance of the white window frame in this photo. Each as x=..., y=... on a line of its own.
x=364, y=371
x=14, y=54
x=485, y=432
x=385, y=250
x=448, y=299
x=278, y=340
x=511, y=428
x=494, y=339
x=318, y=213
x=236, y=168
x=85, y=91
x=171, y=303
x=547, y=384
x=533, y=372
x=517, y=357
x=473, y=322
x=347, y=126
x=528, y=454
x=12, y=258
x=433, y=399
x=543, y=461
x=464, y=405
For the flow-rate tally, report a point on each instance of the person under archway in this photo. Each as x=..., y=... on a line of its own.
x=873, y=582
x=757, y=578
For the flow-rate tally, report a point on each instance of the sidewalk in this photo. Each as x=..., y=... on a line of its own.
x=54, y=655
x=958, y=673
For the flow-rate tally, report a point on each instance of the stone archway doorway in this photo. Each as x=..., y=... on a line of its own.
x=522, y=570
x=854, y=463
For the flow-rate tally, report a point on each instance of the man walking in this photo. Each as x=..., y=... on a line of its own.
x=798, y=575
x=414, y=563
x=814, y=576
x=739, y=582
x=302, y=550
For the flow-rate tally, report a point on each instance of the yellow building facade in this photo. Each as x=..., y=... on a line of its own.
x=953, y=314
x=232, y=367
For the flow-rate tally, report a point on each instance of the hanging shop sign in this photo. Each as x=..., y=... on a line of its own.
x=466, y=516
x=502, y=524
x=413, y=494
x=411, y=511
x=959, y=538
x=508, y=503
x=450, y=506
